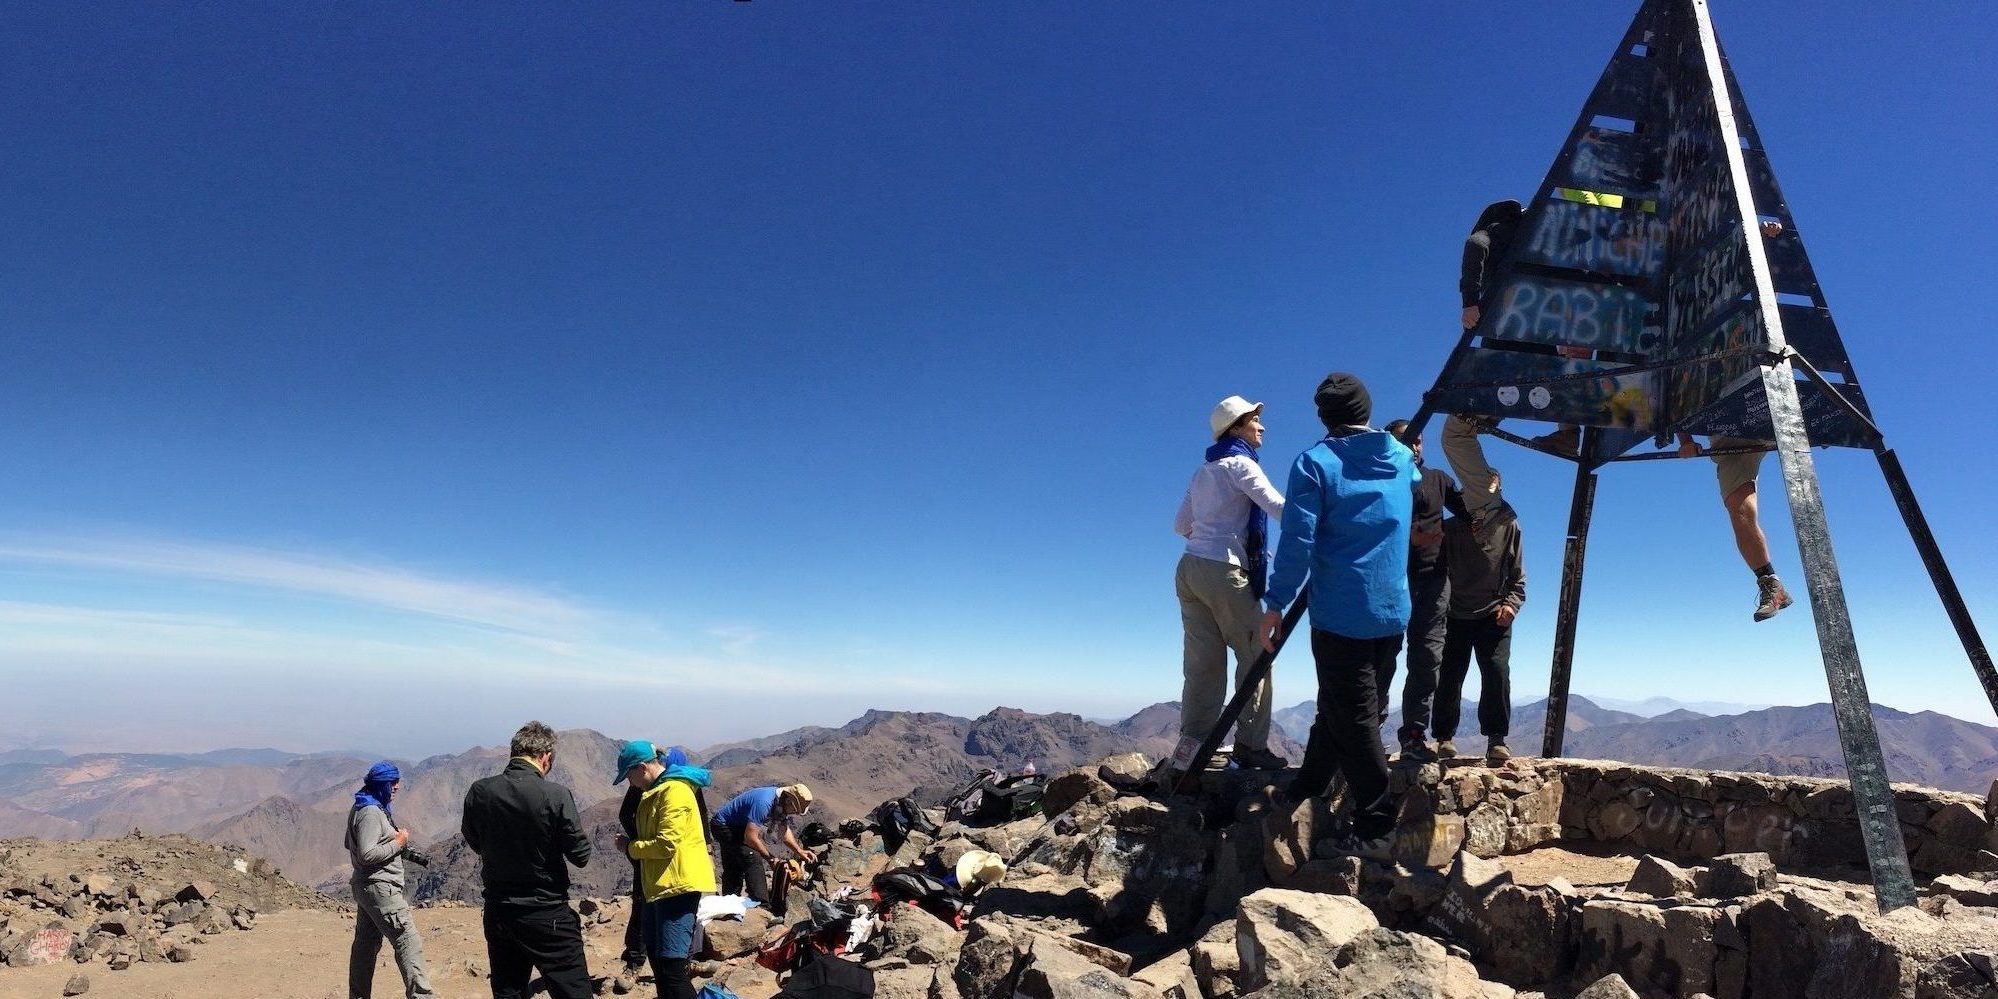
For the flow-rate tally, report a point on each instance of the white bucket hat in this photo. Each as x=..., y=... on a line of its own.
x=1228, y=411
x=979, y=867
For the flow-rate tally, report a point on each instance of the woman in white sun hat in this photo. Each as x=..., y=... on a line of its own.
x=1224, y=519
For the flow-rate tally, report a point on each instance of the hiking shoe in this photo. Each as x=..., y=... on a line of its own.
x=1566, y=441
x=1260, y=759
x=1772, y=597
x=1496, y=753
x=1352, y=845
x=1415, y=749
x=1446, y=748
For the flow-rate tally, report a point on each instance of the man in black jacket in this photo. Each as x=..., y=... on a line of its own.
x=1428, y=598
x=524, y=827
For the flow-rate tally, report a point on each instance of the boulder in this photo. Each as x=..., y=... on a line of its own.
x=730, y=938
x=1383, y=963
x=1660, y=878
x=1171, y=976
x=1216, y=962
x=1967, y=890
x=1969, y=975
x=42, y=947
x=1610, y=986
x=905, y=982
x=1051, y=971
x=1065, y=791
x=1127, y=772
x=918, y=937
x=77, y=985
x=196, y=891
x=1735, y=875
x=1658, y=949
x=1281, y=935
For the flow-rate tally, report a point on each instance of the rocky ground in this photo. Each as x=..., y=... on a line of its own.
x=1539, y=879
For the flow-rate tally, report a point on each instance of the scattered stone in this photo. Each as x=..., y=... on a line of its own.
x=180, y=954
x=1281, y=935
x=1969, y=975
x=1125, y=773
x=729, y=938
x=1969, y=891
x=77, y=985
x=1611, y=986
x=914, y=935
x=1660, y=878
x=1735, y=875
x=196, y=891
x=1069, y=789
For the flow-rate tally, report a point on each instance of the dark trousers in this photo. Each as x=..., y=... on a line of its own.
x=634, y=929
x=520, y=939
x=743, y=871
x=1493, y=645
x=1346, y=736
x=1428, y=622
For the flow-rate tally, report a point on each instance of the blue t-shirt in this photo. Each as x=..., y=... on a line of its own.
x=754, y=805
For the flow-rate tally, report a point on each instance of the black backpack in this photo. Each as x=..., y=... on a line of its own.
x=815, y=834
x=906, y=884
x=990, y=799
x=899, y=817
x=824, y=977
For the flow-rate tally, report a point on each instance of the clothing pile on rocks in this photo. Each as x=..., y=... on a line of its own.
x=1116, y=890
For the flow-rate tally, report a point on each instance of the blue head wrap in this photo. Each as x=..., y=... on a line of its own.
x=378, y=787
x=676, y=757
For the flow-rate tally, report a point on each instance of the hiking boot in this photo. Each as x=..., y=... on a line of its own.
x=1496, y=753
x=1414, y=748
x=1259, y=759
x=1446, y=749
x=1352, y=845
x=1772, y=598
x=1565, y=441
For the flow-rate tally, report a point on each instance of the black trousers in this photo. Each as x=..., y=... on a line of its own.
x=1492, y=643
x=743, y=871
x=1346, y=737
x=634, y=930
x=1429, y=618
x=520, y=939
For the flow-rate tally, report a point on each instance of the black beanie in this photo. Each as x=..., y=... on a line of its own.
x=1342, y=401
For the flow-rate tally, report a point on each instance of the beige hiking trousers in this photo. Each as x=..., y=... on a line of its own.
x=1219, y=613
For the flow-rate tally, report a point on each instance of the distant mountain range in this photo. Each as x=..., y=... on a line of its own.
x=290, y=808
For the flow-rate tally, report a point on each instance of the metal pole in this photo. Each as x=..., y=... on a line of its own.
x=1580, y=511
x=1243, y=690
x=1925, y=543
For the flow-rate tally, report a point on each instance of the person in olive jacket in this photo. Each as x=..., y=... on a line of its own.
x=526, y=830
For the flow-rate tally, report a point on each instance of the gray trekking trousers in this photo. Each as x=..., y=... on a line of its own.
x=381, y=913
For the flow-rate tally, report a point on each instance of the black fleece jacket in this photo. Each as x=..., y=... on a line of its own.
x=524, y=827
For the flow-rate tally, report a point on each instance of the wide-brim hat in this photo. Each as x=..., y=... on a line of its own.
x=979, y=867
x=1228, y=411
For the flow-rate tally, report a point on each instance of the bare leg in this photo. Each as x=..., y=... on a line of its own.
x=1743, y=513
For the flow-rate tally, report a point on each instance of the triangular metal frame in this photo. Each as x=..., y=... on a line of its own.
x=1644, y=255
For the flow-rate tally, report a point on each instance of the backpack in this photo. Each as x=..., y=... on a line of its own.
x=906, y=884
x=897, y=819
x=991, y=799
x=815, y=834
x=830, y=978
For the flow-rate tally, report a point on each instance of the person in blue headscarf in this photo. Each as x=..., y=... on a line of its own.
x=1225, y=521
x=375, y=844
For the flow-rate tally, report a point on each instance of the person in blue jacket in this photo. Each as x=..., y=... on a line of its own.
x=1345, y=527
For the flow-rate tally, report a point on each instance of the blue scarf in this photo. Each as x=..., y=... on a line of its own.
x=1256, y=536
x=697, y=776
x=377, y=788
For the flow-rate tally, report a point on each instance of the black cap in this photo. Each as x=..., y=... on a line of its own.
x=1343, y=401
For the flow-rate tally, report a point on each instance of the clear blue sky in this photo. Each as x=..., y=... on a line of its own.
x=380, y=377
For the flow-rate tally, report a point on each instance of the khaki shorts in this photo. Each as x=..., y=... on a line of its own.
x=1735, y=470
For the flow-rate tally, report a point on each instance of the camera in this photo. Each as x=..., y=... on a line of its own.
x=416, y=856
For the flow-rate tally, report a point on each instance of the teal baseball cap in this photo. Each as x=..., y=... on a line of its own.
x=632, y=754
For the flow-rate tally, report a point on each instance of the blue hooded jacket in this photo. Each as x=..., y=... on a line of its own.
x=1345, y=525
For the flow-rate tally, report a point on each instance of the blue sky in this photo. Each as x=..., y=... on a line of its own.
x=379, y=378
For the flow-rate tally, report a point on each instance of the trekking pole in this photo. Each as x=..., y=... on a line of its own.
x=1243, y=691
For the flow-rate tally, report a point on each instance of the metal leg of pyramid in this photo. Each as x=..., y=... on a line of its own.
x=1191, y=779
x=1925, y=543
x=1865, y=767
x=1579, y=514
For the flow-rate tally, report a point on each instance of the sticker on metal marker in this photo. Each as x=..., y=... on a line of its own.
x=1508, y=395
x=1539, y=397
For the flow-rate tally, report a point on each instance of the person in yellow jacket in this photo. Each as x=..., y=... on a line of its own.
x=674, y=869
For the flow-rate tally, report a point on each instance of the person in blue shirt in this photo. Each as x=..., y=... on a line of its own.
x=1345, y=528
x=743, y=833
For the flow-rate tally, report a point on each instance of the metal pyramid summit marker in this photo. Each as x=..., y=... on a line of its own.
x=1657, y=284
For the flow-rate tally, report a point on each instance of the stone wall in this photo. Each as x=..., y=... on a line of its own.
x=1800, y=822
